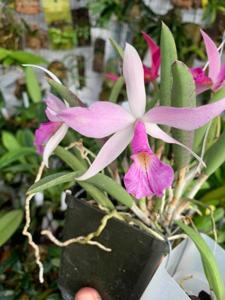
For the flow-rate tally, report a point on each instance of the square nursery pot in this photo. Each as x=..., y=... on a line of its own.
x=121, y=274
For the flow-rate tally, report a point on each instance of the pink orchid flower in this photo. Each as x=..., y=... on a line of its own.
x=50, y=134
x=103, y=119
x=216, y=73
x=150, y=74
x=147, y=175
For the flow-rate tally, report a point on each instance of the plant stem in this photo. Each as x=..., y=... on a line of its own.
x=199, y=182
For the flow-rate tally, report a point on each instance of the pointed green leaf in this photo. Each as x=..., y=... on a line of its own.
x=15, y=155
x=215, y=156
x=209, y=262
x=100, y=181
x=9, y=223
x=65, y=93
x=116, y=89
x=9, y=141
x=168, y=57
x=32, y=83
x=117, y=48
x=183, y=95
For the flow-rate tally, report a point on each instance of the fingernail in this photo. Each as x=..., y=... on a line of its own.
x=87, y=294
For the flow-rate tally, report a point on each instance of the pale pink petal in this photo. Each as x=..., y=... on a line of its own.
x=54, y=106
x=155, y=55
x=43, y=134
x=185, y=118
x=53, y=142
x=109, y=152
x=134, y=77
x=202, y=81
x=213, y=56
x=220, y=82
x=99, y=120
x=148, y=176
x=111, y=76
x=156, y=132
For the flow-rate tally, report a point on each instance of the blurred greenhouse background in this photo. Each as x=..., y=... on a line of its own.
x=71, y=39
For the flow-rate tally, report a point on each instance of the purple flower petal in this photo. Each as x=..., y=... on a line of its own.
x=202, y=81
x=99, y=120
x=155, y=55
x=134, y=77
x=213, y=56
x=43, y=134
x=147, y=175
x=185, y=118
x=109, y=152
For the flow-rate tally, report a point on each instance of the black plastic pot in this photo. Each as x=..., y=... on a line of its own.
x=121, y=274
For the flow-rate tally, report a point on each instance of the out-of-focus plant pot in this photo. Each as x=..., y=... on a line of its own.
x=120, y=274
x=29, y=7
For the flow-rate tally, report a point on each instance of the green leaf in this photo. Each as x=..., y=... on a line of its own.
x=9, y=223
x=215, y=156
x=65, y=93
x=63, y=177
x=216, y=194
x=218, y=95
x=183, y=95
x=208, y=260
x=51, y=181
x=116, y=89
x=3, y=53
x=204, y=223
x=9, y=141
x=24, y=57
x=33, y=87
x=117, y=48
x=15, y=155
x=101, y=181
x=168, y=57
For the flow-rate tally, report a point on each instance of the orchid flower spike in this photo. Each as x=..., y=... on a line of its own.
x=104, y=119
x=216, y=73
x=50, y=134
x=152, y=73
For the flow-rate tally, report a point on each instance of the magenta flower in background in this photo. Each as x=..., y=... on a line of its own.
x=50, y=134
x=151, y=73
x=147, y=175
x=202, y=81
x=216, y=72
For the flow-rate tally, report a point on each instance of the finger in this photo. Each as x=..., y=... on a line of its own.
x=87, y=293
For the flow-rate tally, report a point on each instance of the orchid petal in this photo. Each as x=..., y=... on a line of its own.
x=213, y=56
x=111, y=76
x=54, y=106
x=53, y=142
x=134, y=77
x=50, y=74
x=155, y=54
x=99, y=120
x=43, y=134
x=156, y=132
x=109, y=152
x=220, y=82
x=202, y=82
x=185, y=118
x=148, y=176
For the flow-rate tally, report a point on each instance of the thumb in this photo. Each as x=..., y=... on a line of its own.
x=87, y=293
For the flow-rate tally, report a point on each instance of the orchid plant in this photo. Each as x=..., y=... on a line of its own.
x=163, y=173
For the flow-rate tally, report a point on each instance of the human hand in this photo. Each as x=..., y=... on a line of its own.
x=87, y=293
